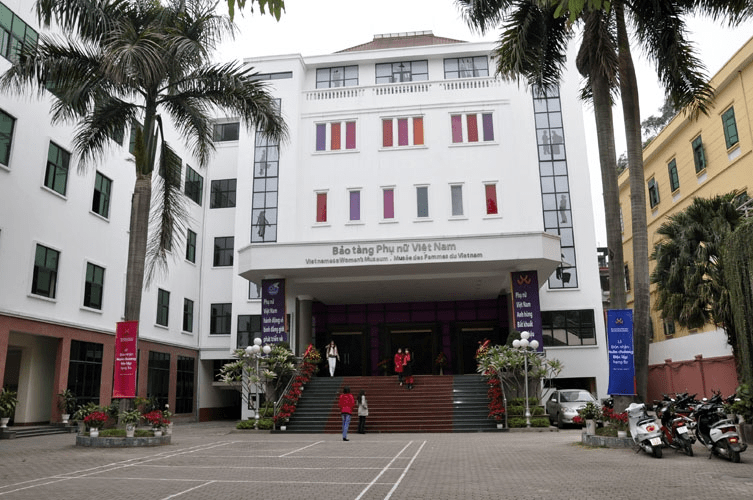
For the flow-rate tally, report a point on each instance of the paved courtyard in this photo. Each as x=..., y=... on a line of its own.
x=214, y=461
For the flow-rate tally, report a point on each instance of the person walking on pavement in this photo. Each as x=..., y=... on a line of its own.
x=346, y=404
x=363, y=412
x=408, y=368
x=399, y=365
x=332, y=357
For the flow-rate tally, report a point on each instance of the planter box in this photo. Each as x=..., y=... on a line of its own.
x=121, y=442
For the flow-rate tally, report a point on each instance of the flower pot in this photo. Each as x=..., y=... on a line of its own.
x=130, y=430
x=591, y=427
x=283, y=428
x=157, y=432
x=4, y=422
x=621, y=434
x=93, y=432
x=500, y=425
x=65, y=417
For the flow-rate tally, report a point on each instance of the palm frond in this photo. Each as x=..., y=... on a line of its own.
x=483, y=15
x=88, y=19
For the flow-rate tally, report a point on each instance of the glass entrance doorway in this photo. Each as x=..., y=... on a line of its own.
x=470, y=340
x=420, y=343
x=351, y=347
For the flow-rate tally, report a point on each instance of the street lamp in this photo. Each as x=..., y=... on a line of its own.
x=523, y=343
x=254, y=351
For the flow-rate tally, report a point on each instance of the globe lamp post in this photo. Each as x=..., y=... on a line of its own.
x=523, y=344
x=255, y=352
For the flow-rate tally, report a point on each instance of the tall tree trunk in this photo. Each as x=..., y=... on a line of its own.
x=631, y=112
x=137, y=238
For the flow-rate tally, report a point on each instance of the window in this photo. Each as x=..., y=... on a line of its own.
x=568, y=328
x=225, y=132
x=187, y=315
x=321, y=207
x=158, y=377
x=669, y=327
x=340, y=76
x=14, y=33
x=456, y=199
x=699, y=157
x=85, y=371
x=354, y=196
x=730, y=127
x=410, y=132
x=223, y=251
x=466, y=67
x=219, y=322
x=184, y=385
x=329, y=136
x=94, y=286
x=194, y=185
x=405, y=71
x=190, y=246
x=264, y=198
x=388, y=201
x=136, y=127
x=627, y=278
x=653, y=192
x=7, y=124
x=422, y=202
x=465, y=128
x=490, y=190
x=249, y=327
x=674, y=180
x=254, y=292
x=56, y=174
x=163, y=307
x=281, y=75
x=101, y=199
x=44, y=280
x=223, y=194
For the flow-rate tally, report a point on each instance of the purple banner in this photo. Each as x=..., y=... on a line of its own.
x=273, y=311
x=620, y=341
x=525, y=305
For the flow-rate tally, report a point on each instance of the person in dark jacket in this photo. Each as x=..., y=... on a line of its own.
x=347, y=402
x=408, y=368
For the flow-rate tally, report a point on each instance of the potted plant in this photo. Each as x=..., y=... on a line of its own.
x=66, y=404
x=166, y=422
x=8, y=402
x=81, y=412
x=441, y=362
x=590, y=413
x=743, y=407
x=131, y=419
x=155, y=419
x=95, y=420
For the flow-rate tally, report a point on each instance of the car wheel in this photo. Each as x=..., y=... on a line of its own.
x=560, y=423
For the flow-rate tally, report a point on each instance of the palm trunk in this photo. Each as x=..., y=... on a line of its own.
x=139, y=229
x=631, y=112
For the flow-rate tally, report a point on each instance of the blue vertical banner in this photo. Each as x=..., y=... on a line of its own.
x=620, y=342
x=525, y=305
x=273, y=311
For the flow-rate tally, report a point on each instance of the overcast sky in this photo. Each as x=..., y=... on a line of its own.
x=315, y=27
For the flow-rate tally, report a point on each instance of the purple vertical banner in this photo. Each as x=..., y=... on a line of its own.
x=621, y=362
x=525, y=304
x=273, y=311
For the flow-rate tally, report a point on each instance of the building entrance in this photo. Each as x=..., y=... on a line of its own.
x=351, y=347
x=420, y=343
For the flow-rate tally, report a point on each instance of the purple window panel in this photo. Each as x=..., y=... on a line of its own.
x=350, y=135
x=488, y=125
x=402, y=132
x=457, y=128
x=321, y=136
x=389, y=204
x=355, y=205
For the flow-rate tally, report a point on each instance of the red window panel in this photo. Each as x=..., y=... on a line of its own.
x=321, y=207
x=402, y=132
x=389, y=203
x=387, y=133
x=418, y=131
x=350, y=135
x=491, y=199
x=457, y=128
x=335, y=141
x=472, y=128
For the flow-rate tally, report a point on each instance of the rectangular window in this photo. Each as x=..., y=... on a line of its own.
x=410, y=131
x=456, y=198
x=335, y=139
x=85, y=371
x=418, y=131
x=101, y=199
x=491, y=199
x=470, y=129
x=456, y=122
x=163, y=307
x=223, y=251
x=699, y=157
x=405, y=71
x=422, y=201
x=674, y=180
x=669, y=327
x=321, y=207
x=329, y=136
x=627, y=278
x=225, y=132
x=219, y=322
x=568, y=328
x=350, y=135
x=387, y=133
x=14, y=34
x=730, y=127
x=94, y=286
x=265, y=188
x=194, y=185
x=249, y=327
x=7, y=124
x=56, y=174
x=223, y=193
x=135, y=128
x=254, y=292
x=653, y=192
x=190, y=246
x=282, y=75
x=184, y=384
x=355, y=205
x=466, y=67
x=339, y=76
x=44, y=280
x=187, y=315
x=388, y=197
x=158, y=377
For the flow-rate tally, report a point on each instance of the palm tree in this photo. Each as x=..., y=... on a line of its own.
x=275, y=7
x=123, y=61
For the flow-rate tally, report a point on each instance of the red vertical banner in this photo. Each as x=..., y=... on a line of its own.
x=126, y=359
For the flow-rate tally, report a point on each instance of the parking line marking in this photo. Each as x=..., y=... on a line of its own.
x=405, y=471
x=301, y=449
x=189, y=489
x=386, y=467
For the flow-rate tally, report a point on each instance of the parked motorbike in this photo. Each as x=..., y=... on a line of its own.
x=646, y=431
x=675, y=426
x=715, y=431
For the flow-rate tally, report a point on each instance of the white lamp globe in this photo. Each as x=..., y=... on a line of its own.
x=255, y=349
x=249, y=350
x=257, y=341
x=525, y=335
x=516, y=343
x=524, y=343
x=534, y=344
x=266, y=349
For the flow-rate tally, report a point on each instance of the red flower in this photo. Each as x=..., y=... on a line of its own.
x=577, y=420
x=154, y=418
x=95, y=419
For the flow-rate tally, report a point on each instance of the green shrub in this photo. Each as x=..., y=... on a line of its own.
x=539, y=422
x=522, y=402
x=246, y=424
x=516, y=410
x=266, y=424
x=267, y=412
x=122, y=433
x=516, y=422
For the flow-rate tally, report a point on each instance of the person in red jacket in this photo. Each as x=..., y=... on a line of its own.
x=399, y=365
x=347, y=402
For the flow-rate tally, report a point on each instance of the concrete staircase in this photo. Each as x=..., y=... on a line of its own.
x=14, y=432
x=436, y=404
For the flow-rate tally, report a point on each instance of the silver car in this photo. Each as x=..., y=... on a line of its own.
x=563, y=405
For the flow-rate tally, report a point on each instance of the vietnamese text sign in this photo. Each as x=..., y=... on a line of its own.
x=620, y=342
x=273, y=311
x=417, y=251
x=126, y=359
x=525, y=305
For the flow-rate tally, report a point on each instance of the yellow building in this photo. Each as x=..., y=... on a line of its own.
x=688, y=159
